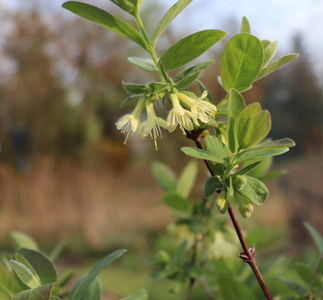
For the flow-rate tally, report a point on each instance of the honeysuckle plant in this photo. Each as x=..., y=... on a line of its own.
x=235, y=142
x=229, y=136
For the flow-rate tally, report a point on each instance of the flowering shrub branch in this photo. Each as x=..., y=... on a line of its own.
x=235, y=148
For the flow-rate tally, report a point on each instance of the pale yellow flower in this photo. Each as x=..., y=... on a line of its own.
x=199, y=107
x=179, y=116
x=129, y=124
x=152, y=125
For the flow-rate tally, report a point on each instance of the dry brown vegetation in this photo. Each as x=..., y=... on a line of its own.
x=58, y=200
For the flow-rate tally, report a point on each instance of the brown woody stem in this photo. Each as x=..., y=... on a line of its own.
x=248, y=255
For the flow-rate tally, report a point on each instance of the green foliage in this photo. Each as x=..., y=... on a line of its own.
x=315, y=235
x=105, y=20
x=187, y=179
x=168, y=17
x=8, y=285
x=235, y=107
x=22, y=240
x=82, y=285
x=164, y=176
x=241, y=62
x=144, y=64
x=139, y=295
x=311, y=286
x=190, y=48
x=245, y=26
x=32, y=275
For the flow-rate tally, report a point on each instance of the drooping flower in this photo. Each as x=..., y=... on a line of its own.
x=129, y=123
x=179, y=116
x=199, y=107
x=152, y=125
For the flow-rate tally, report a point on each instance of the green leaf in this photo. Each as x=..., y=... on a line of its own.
x=40, y=293
x=276, y=65
x=163, y=73
x=129, y=5
x=235, y=107
x=144, y=64
x=294, y=286
x=8, y=284
x=129, y=100
x=57, y=250
x=270, y=52
x=160, y=274
x=230, y=288
x=241, y=62
x=156, y=87
x=136, y=89
x=65, y=278
x=164, y=176
x=247, y=168
x=19, y=258
x=25, y=275
x=315, y=236
x=168, y=17
x=94, y=291
x=82, y=285
x=265, y=43
x=253, y=126
x=187, y=81
x=245, y=26
x=259, y=153
x=215, y=146
x=260, y=170
x=202, y=154
x=176, y=202
x=42, y=265
x=272, y=175
x=197, y=69
x=105, y=20
x=211, y=185
x=306, y=272
x=141, y=294
x=190, y=48
x=22, y=240
x=269, y=144
x=187, y=179
x=250, y=189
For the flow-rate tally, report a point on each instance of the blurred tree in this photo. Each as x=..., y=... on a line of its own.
x=33, y=97
x=296, y=100
x=64, y=89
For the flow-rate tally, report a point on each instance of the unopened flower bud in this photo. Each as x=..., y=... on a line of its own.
x=221, y=203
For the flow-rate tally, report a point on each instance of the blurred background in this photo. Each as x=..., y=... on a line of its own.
x=64, y=171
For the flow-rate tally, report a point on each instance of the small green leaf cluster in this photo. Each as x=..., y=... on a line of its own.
x=188, y=111
x=197, y=229
x=240, y=143
x=311, y=276
x=32, y=275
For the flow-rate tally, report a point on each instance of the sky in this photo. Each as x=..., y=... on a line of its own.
x=273, y=19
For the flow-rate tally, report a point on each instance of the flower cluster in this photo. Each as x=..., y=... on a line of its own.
x=185, y=112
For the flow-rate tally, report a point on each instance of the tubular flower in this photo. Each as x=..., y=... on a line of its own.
x=152, y=125
x=179, y=116
x=129, y=124
x=199, y=107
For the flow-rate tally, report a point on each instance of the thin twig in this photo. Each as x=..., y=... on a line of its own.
x=314, y=275
x=207, y=290
x=248, y=255
x=195, y=137
x=193, y=280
